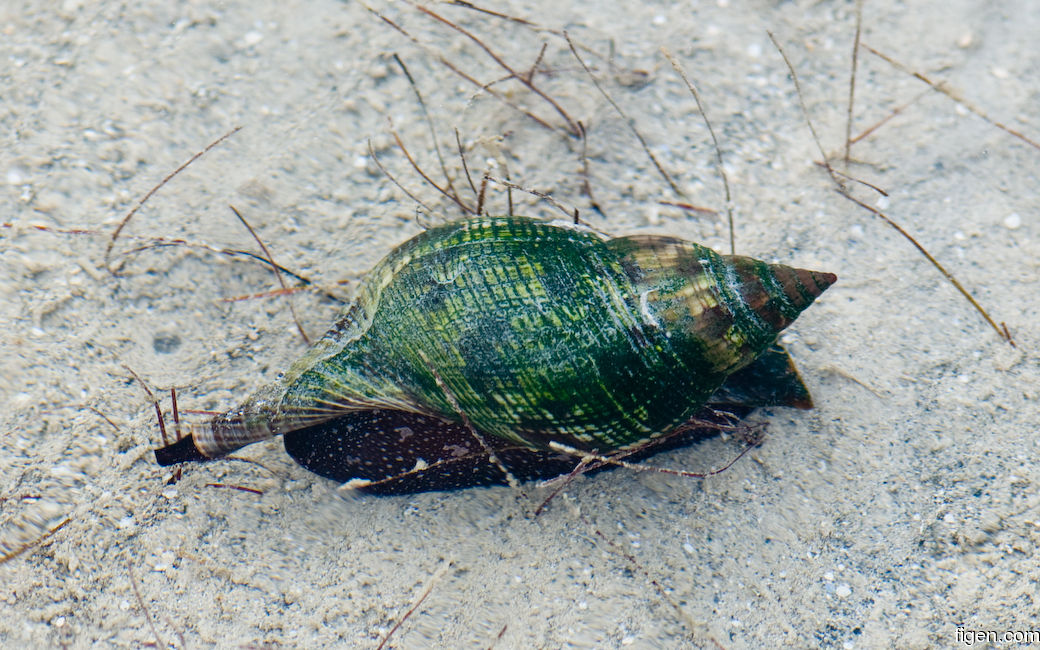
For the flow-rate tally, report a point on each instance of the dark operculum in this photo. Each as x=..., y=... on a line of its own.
x=766, y=298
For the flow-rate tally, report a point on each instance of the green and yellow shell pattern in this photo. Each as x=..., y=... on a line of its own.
x=533, y=332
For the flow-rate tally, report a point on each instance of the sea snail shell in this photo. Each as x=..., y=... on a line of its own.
x=535, y=332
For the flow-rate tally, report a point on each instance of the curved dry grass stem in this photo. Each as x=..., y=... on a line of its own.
x=461, y=73
x=164, y=181
x=155, y=402
x=10, y=553
x=628, y=120
x=615, y=459
x=465, y=165
x=277, y=273
x=943, y=88
x=159, y=643
x=888, y=118
x=1001, y=330
x=490, y=12
x=434, y=579
x=450, y=396
x=542, y=195
x=852, y=82
x=715, y=141
x=451, y=192
x=586, y=174
x=386, y=172
x=448, y=191
x=571, y=126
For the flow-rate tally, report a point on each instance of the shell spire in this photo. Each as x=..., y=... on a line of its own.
x=769, y=297
x=798, y=288
x=726, y=310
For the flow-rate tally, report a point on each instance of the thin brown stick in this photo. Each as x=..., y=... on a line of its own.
x=1007, y=334
x=450, y=396
x=444, y=462
x=273, y=293
x=240, y=488
x=535, y=27
x=52, y=229
x=250, y=461
x=542, y=195
x=579, y=469
x=1002, y=332
x=10, y=555
x=277, y=273
x=896, y=111
x=375, y=159
x=426, y=592
x=164, y=242
x=482, y=194
x=159, y=643
x=155, y=403
x=509, y=190
x=852, y=82
x=689, y=207
x=640, y=467
x=458, y=71
x=844, y=191
x=805, y=112
x=201, y=412
x=571, y=126
x=855, y=180
x=470, y=5
x=719, y=167
x=429, y=122
x=466, y=210
x=164, y=181
x=104, y=417
x=533, y=70
x=631, y=123
x=590, y=462
x=586, y=182
x=465, y=167
x=176, y=413
x=952, y=94
x=501, y=633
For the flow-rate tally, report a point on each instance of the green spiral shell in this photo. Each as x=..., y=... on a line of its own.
x=535, y=332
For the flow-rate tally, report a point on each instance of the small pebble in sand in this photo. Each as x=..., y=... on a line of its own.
x=1012, y=221
x=251, y=38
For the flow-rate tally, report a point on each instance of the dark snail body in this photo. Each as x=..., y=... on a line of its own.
x=533, y=332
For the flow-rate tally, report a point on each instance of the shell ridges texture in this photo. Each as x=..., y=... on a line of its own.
x=540, y=332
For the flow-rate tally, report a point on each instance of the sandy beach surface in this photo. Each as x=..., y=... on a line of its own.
x=904, y=511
